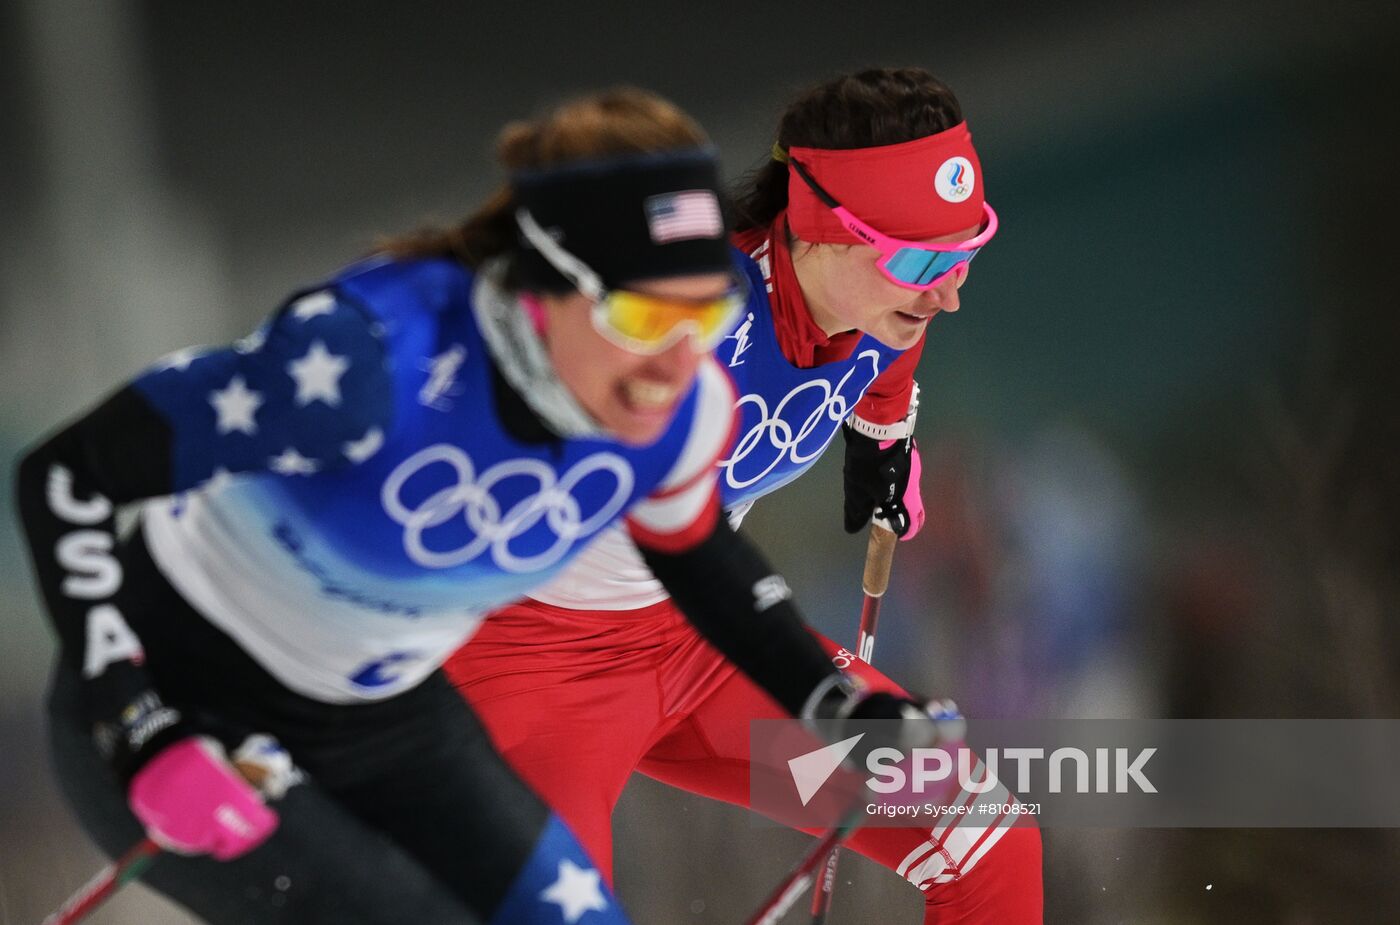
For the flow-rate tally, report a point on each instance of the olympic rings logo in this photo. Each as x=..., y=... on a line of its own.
x=471, y=498
x=787, y=442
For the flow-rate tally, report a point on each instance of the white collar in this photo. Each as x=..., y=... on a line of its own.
x=520, y=355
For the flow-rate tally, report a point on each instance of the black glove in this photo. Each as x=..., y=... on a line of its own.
x=876, y=481
x=917, y=724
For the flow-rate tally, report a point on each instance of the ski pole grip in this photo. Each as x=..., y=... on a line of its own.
x=879, y=555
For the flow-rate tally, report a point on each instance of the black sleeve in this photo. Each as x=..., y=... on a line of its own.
x=730, y=594
x=69, y=488
x=310, y=388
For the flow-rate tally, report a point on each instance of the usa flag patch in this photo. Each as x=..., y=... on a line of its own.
x=684, y=216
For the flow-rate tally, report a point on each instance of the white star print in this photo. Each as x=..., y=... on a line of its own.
x=220, y=480
x=181, y=359
x=576, y=892
x=253, y=342
x=318, y=375
x=357, y=451
x=235, y=405
x=309, y=306
x=293, y=463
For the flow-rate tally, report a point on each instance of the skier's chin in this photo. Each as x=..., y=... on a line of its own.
x=641, y=410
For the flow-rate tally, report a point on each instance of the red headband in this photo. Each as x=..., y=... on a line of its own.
x=925, y=188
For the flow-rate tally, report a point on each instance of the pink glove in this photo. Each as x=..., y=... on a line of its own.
x=192, y=801
x=913, y=501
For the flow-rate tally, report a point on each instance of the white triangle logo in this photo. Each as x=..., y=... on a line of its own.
x=811, y=770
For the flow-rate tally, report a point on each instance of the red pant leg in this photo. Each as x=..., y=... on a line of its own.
x=571, y=700
x=969, y=875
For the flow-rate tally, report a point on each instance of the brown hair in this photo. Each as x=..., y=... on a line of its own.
x=623, y=120
x=879, y=106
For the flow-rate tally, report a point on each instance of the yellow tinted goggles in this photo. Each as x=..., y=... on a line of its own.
x=636, y=321
x=649, y=324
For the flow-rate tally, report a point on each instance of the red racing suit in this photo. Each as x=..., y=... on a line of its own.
x=581, y=687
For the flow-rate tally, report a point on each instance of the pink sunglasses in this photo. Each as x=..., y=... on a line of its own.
x=910, y=264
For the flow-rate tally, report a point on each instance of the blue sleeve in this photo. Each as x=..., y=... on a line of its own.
x=308, y=390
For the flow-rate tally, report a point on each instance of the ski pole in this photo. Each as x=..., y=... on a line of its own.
x=134, y=861
x=879, y=554
x=108, y=880
x=801, y=876
x=879, y=557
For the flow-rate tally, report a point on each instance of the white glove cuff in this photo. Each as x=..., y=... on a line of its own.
x=896, y=431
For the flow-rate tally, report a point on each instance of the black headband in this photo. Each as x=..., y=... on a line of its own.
x=634, y=217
